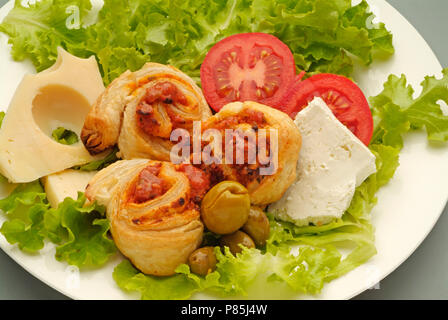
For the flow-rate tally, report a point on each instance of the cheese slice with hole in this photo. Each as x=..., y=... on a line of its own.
x=60, y=96
x=66, y=184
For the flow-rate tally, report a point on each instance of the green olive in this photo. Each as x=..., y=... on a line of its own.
x=202, y=261
x=225, y=208
x=234, y=240
x=257, y=226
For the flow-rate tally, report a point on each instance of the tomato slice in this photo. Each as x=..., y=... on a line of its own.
x=249, y=66
x=342, y=95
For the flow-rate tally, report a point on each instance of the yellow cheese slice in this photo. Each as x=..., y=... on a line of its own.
x=59, y=186
x=60, y=96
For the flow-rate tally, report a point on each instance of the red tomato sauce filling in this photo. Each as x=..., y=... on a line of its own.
x=149, y=186
x=252, y=117
x=248, y=171
x=199, y=181
x=149, y=119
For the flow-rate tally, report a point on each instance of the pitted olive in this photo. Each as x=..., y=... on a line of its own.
x=257, y=226
x=234, y=240
x=225, y=208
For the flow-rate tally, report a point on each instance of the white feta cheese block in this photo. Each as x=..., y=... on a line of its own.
x=332, y=163
x=66, y=184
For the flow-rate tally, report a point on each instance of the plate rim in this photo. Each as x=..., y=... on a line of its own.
x=436, y=220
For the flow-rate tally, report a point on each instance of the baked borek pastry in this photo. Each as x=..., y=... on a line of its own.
x=153, y=211
x=139, y=110
x=269, y=176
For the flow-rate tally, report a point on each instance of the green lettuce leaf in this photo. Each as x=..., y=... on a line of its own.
x=25, y=208
x=345, y=230
x=304, y=272
x=360, y=17
x=81, y=232
x=396, y=111
x=308, y=271
x=387, y=161
x=37, y=31
x=28, y=236
x=323, y=35
x=64, y=136
x=116, y=51
x=2, y=116
x=100, y=164
x=3, y=179
x=153, y=288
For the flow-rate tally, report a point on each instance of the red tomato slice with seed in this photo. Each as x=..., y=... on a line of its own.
x=247, y=67
x=342, y=95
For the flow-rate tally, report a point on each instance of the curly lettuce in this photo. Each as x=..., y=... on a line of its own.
x=396, y=111
x=304, y=272
x=101, y=163
x=36, y=31
x=78, y=230
x=25, y=208
x=64, y=136
x=324, y=35
x=2, y=116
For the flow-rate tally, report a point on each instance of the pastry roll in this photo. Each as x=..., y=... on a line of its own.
x=153, y=211
x=273, y=170
x=139, y=110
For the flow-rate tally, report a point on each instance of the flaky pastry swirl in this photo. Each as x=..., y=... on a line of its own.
x=251, y=115
x=139, y=110
x=159, y=231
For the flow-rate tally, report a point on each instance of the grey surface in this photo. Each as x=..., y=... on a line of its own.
x=423, y=276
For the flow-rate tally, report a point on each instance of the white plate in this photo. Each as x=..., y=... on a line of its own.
x=407, y=208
